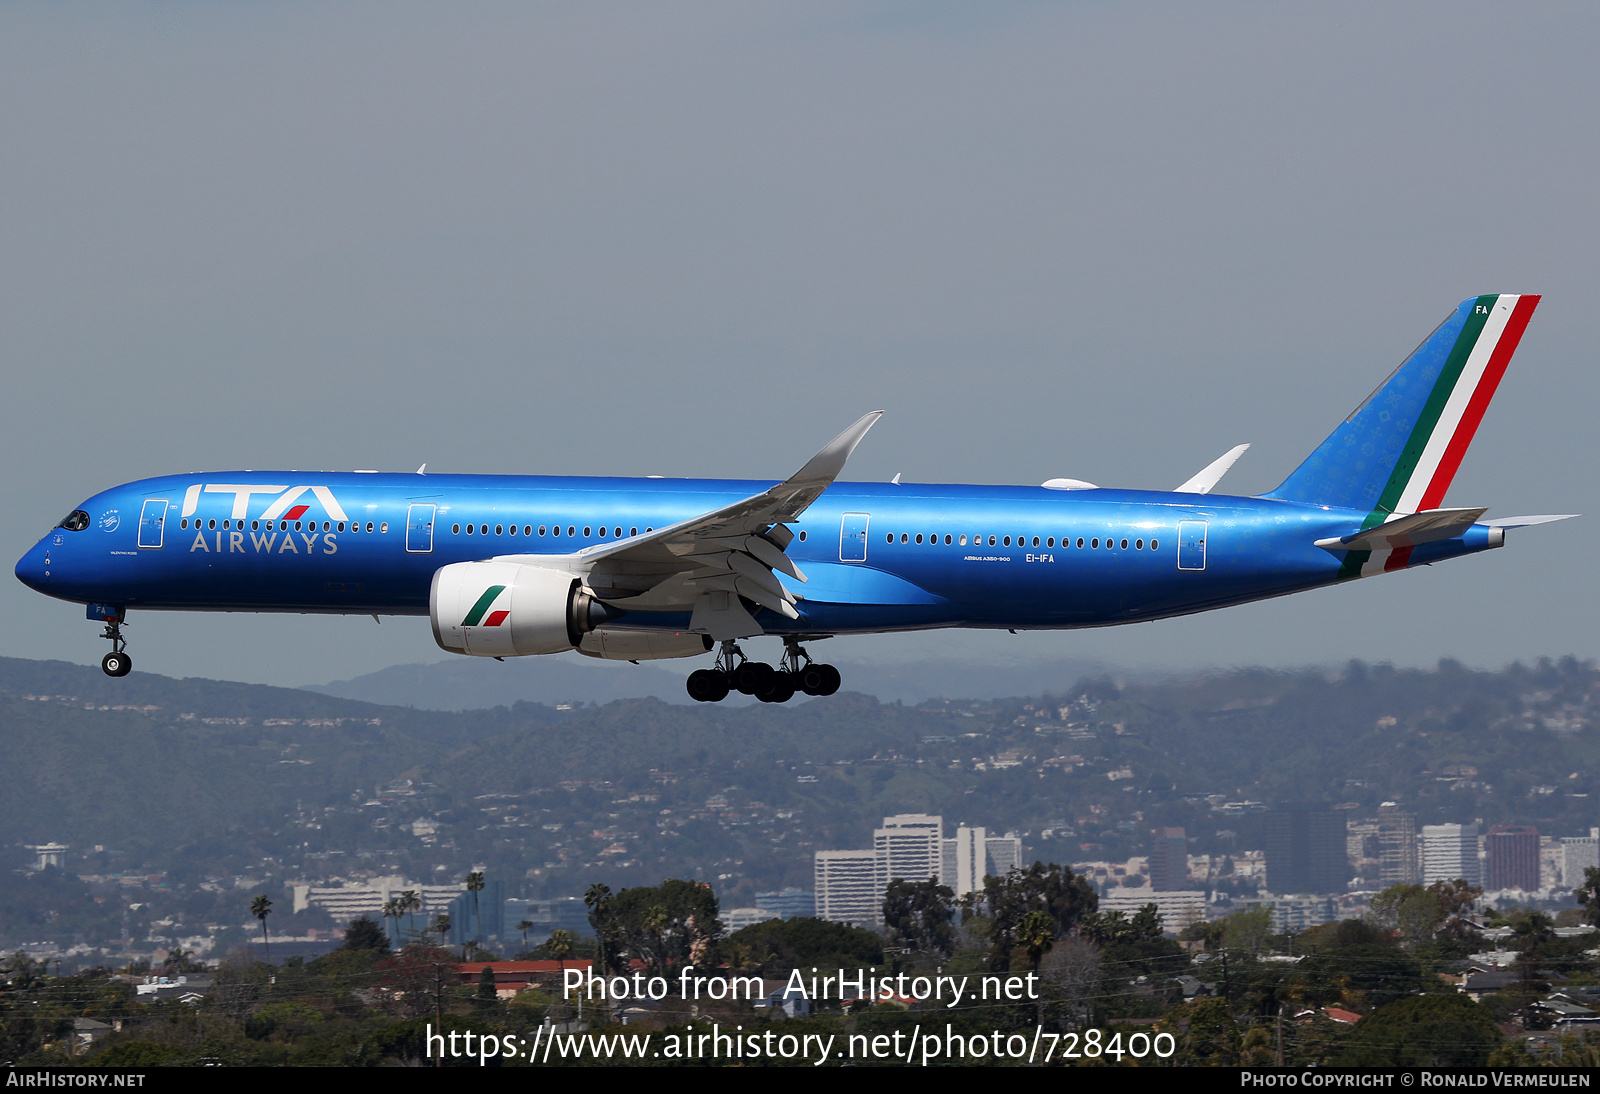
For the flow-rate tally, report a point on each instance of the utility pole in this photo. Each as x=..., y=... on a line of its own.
x=438, y=1004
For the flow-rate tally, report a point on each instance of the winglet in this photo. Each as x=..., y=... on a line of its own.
x=805, y=485
x=1213, y=472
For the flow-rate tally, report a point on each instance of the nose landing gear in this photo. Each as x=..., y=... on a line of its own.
x=117, y=662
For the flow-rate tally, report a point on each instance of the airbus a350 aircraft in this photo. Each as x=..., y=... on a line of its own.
x=634, y=569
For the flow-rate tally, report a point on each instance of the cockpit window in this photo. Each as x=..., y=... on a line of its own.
x=75, y=521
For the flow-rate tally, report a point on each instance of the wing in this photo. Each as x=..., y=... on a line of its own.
x=736, y=549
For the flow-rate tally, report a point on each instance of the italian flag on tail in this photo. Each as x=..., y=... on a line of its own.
x=1447, y=423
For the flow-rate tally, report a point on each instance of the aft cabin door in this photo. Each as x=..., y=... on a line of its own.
x=853, y=537
x=419, y=529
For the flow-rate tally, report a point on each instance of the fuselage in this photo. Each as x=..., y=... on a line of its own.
x=879, y=556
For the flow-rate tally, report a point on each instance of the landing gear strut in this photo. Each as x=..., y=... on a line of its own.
x=117, y=662
x=733, y=671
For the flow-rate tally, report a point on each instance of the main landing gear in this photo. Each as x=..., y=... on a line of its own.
x=733, y=671
x=117, y=662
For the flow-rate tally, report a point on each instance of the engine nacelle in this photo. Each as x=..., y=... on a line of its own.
x=614, y=645
x=506, y=609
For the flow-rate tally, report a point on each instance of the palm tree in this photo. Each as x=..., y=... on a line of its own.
x=1037, y=934
x=392, y=910
x=524, y=926
x=475, y=886
x=595, y=898
x=261, y=907
x=441, y=927
x=410, y=902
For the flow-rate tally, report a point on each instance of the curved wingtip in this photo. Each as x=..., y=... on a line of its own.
x=827, y=463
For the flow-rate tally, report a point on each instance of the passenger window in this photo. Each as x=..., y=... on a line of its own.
x=1095, y=543
x=1155, y=544
x=602, y=532
x=1138, y=545
x=184, y=524
x=471, y=529
x=1050, y=542
x=383, y=528
x=1036, y=541
x=369, y=526
x=904, y=538
x=499, y=530
x=991, y=541
x=947, y=539
x=889, y=538
x=572, y=530
x=635, y=531
x=586, y=532
x=919, y=537
x=802, y=537
x=963, y=540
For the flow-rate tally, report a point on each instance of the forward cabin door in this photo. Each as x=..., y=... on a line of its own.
x=153, y=524
x=1191, y=545
x=419, y=529
x=853, y=537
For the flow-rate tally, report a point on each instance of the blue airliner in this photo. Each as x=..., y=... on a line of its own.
x=635, y=569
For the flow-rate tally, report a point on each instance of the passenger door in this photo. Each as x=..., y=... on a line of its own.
x=419, y=529
x=152, y=524
x=853, y=537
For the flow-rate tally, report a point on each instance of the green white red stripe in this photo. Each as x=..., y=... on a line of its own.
x=1448, y=422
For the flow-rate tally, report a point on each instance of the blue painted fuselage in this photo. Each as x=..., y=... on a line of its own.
x=879, y=557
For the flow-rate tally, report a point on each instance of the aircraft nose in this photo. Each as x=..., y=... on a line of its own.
x=33, y=569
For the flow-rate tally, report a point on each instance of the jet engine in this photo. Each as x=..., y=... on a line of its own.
x=506, y=609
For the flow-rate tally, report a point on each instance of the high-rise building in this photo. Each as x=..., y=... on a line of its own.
x=1513, y=854
x=848, y=887
x=966, y=861
x=1398, y=862
x=910, y=847
x=1450, y=852
x=1306, y=851
x=1578, y=854
x=1005, y=854
x=1169, y=860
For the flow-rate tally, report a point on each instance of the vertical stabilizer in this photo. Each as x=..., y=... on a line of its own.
x=1400, y=448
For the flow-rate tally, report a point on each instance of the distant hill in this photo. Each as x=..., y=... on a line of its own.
x=476, y=683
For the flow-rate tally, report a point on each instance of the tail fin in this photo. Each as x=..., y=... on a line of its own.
x=1399, y=450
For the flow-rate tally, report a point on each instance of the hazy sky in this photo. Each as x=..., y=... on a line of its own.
x=1106, y=241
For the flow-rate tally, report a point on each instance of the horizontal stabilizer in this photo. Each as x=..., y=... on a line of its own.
x=1529, y=522
x=1408, y=531
x=1213, y=472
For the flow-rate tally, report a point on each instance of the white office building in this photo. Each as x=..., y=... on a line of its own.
x=910, y=846
x=848, y=887
x=1579, y=853
x=1450, y=851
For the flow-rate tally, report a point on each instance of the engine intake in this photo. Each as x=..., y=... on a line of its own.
x=506, y=609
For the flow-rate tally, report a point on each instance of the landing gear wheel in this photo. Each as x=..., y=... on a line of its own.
x=817, y=679
x=752, y=677
x=116, y=663
x=780, y=689
x=708, y=686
